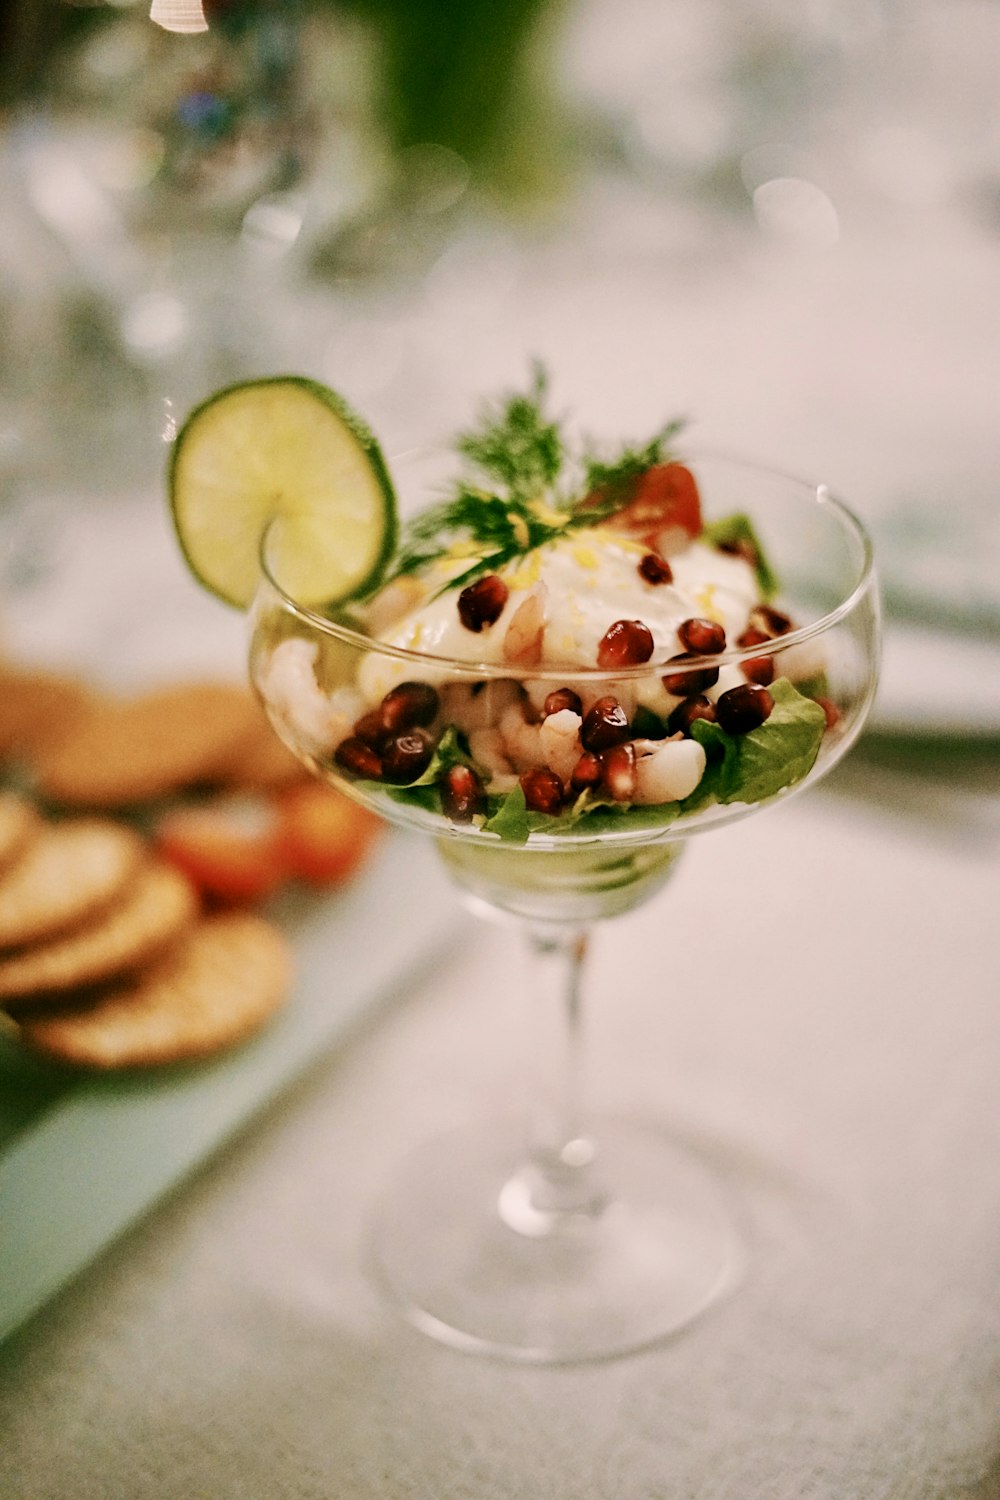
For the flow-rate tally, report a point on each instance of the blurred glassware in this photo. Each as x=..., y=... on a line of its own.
x=185, y=16
x=148, y=184
x=188, y=195
x=422, y=99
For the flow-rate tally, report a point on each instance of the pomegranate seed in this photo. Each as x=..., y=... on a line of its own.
x=702, y=637
x=683, y=684
x=626, y=643
x=741, y=548
x=684, y=715
x=407, y=755
x=462, y=794
x=759, y=669
x=542, y=790
x=586, y=772
x=560, y=699
x=482, y=603
x=618, y=772
x=752, y=637
x=408, y=704
x=605, y=724
x=770, y=620
x=358, y=758
x=744, y=708
x=656, y=569
x=371, y=730
x=831, y=712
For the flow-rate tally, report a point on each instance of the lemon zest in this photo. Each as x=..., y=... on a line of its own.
x=706, y=603
x=519, y=527
x=527, y=574
x=548, y=515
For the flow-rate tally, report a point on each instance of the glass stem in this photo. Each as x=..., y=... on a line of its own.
x=556, y=1189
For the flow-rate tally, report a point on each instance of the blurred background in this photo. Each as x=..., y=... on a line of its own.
x=780, y=219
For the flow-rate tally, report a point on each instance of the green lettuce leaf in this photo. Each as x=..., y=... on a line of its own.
x=509, y=817
x=751, y=767
x=722, y=752
x=781, y=751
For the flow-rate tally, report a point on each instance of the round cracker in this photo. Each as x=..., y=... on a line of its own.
x=136, y=751
x=154, y=909
x=37, y=708
x=214, y=987
x=19, y=822
x=68, y=872
x=263, y=762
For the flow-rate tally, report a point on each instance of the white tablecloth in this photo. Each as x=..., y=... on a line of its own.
x=833, y=1044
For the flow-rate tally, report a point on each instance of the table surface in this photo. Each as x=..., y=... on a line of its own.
x=812, y=1001
x=833, y=1043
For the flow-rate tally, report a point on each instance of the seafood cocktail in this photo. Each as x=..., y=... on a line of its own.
x=567, y=662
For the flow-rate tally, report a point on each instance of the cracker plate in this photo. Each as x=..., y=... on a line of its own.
x=84, y=1157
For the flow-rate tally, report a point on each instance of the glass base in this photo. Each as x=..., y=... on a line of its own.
x=580, y=882
x=650, y=1256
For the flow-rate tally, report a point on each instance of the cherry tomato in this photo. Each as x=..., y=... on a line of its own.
x=326, y=836
x=666, y=498
x=232, y=848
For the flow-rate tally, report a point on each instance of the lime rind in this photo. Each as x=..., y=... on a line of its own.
x=291, y=448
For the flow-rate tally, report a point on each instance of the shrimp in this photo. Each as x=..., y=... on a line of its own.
x=667, y=770
x=521, y=740
x=479, y=705
x=488, y=751
x=526, y=631
x=559, y=741
x=294, y=699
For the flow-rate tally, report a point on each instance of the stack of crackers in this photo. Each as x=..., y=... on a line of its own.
x=81, y=748
x=107, y=957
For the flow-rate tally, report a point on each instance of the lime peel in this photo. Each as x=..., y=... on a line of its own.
x=289, y=448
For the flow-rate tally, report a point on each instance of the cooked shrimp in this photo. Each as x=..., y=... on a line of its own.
x=294, y=698
x=477, y=705
x=521, y=740
x=526, y=631
x=667, y=770
x=559, y=740
x=488, y=751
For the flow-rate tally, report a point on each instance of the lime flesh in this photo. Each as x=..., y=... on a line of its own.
x=290, y=449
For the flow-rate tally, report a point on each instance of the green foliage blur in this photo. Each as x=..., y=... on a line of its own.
x=470, y=75
x=466, y=74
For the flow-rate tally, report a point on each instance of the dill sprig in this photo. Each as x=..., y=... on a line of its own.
x=519, y=490
x=492, y=530
x=613, y=483
x=516, y=445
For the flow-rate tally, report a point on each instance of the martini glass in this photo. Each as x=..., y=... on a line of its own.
x=563, y=1238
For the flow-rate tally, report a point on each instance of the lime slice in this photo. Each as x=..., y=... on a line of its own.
x=290, y=448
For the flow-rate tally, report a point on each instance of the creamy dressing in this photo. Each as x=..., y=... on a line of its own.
x=584, y=583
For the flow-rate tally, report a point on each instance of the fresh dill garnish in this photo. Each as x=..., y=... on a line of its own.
x=516, y=445
x=613, y=482
x=518, y=490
